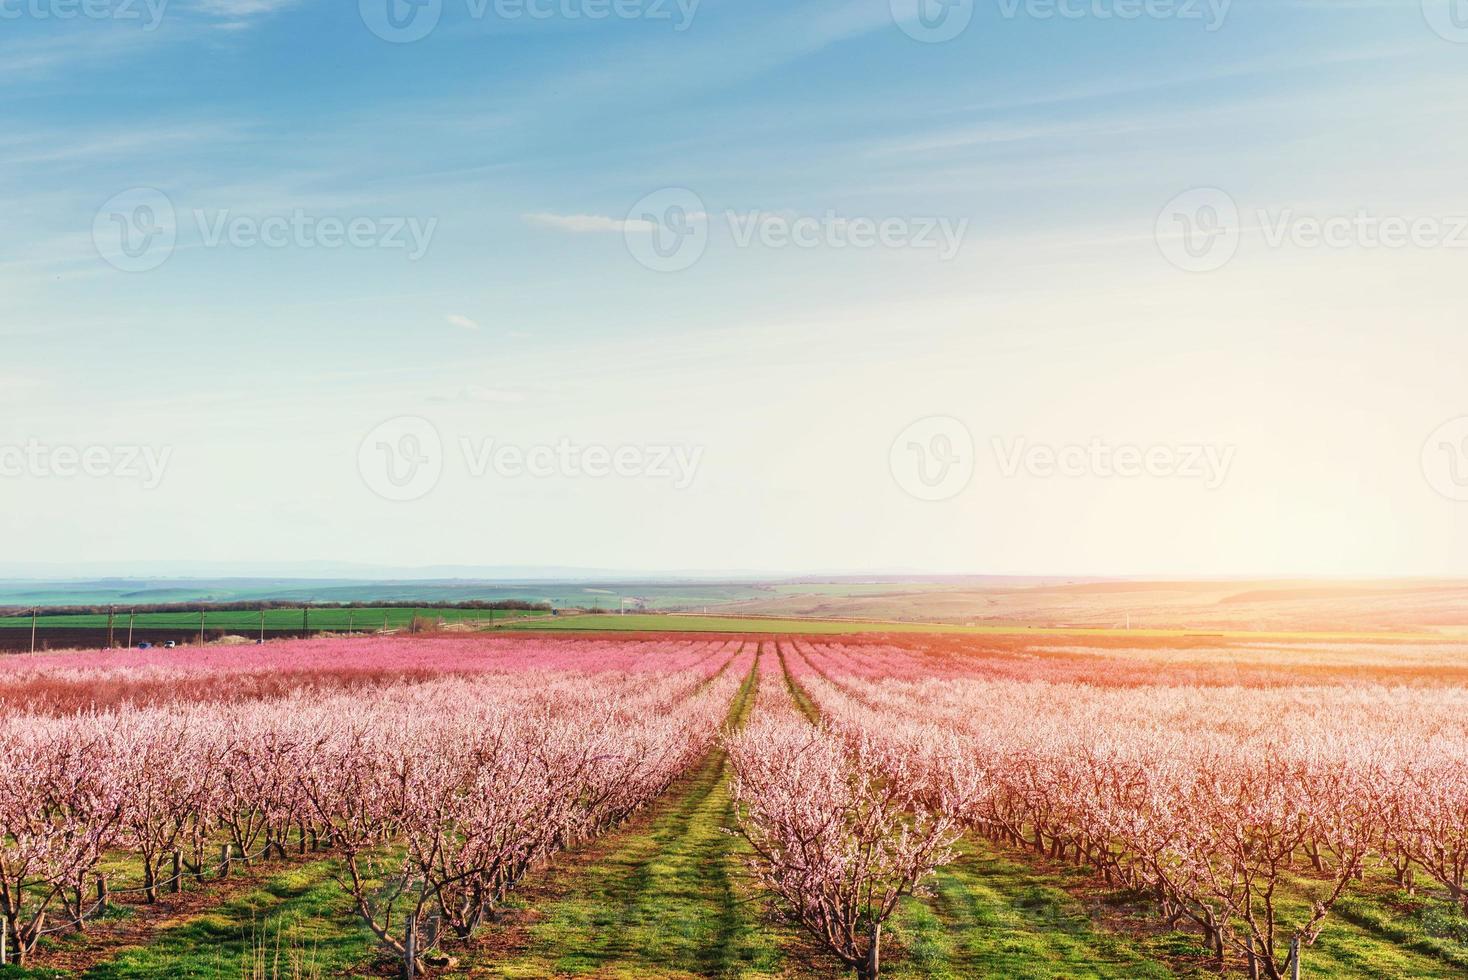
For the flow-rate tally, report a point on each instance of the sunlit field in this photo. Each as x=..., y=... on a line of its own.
x=761, y=805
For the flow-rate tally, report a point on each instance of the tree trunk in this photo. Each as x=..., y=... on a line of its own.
x=871, y=968
x=1404, y=878
x=1213, y=934
x=26, y=939
x=150, y=882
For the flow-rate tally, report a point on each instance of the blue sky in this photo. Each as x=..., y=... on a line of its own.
x=524, y=143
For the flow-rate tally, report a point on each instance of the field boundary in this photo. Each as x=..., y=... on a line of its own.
x=786, y=625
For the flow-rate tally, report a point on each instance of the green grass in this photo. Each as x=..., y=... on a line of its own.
x=999, y=913
x=991, y=915
x=660, y=622
x=1435, y=926
x=299, y=906
x=1377, y=932
x=667, y=897
x=694, y=624
x=304, y=903
x=802, y=701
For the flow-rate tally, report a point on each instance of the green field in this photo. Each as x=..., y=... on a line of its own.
x=659, y=622
x=336, y=619
x=606, y=595
x=246, y=620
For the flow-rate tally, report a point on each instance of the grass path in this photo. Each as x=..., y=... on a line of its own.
x=1365, y=937
x=667, y=897
x=990, y=915
x=299, y=906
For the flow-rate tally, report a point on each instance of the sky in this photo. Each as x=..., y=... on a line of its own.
x=1103, y=287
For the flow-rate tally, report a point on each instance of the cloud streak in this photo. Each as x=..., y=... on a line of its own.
x=582, y=224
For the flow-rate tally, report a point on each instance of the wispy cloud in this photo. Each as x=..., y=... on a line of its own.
x=101, y=145
x=26, y=59
x=237, y=14
x=583, y=223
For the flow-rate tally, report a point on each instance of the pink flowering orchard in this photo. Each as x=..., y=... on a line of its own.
x=452, y=785
x=1243, y=795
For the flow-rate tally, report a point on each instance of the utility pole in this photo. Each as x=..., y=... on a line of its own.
x=34, y=611
x=131, y=615
x=110, y=613
x=201, y=627
x=305, y=621
x=262, y=622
